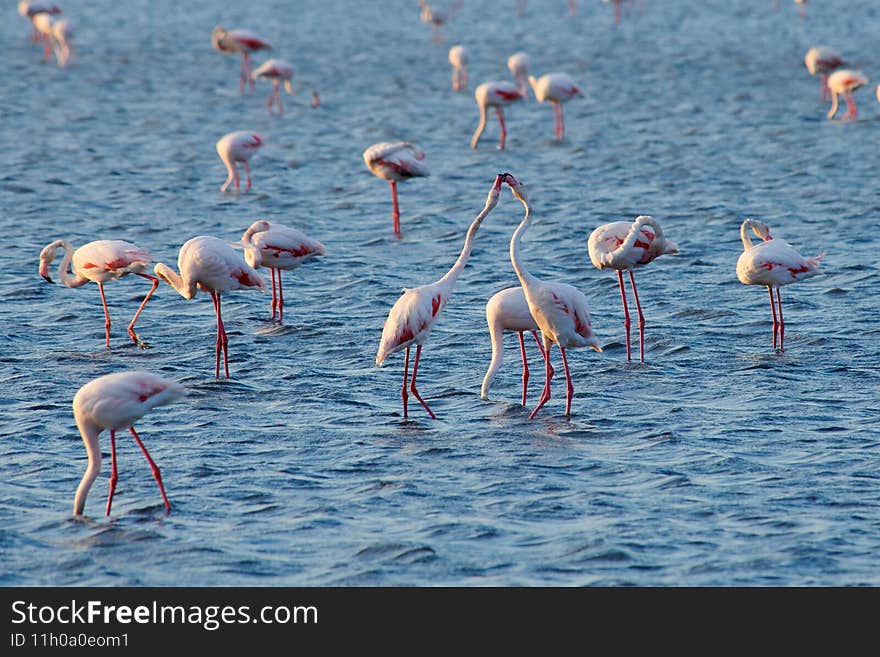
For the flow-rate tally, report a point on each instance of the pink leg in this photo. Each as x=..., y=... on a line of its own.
x=247, y=68
x=617, y=11
x=412, y=384
x=114, y=476
x=242, y=80
x=851, y=112
x=558, y=128
x=781, y=323
x=500, y=113
x=280, y=299
x=525, y=375
x=569, y=390
x=156, y=474
x=773, y=310
x=247, y=172
x=280, y=102
x=549, y=375
x=134, y=336
x=106, y=314
x=273, y=305
x=626, y=323
x=825, y=92
x=540, y=346
x=403, y=393
x=632, y=280
x=395, y=210
x=222, y=343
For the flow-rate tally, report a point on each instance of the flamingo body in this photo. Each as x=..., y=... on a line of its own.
x=209, y=264
x=278, y=247
x=458, y=57
x=242, y=42
x=99, y=262
x=555, y=88
x=115, y=402
x=822, y=60
x=518, y=65
x=234, y=148
x=277, y=71
x=844, y=82
x=497, y=95
x=395, y=162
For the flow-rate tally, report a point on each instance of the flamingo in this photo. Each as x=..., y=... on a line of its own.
x=822, y=60
x=772, y=263
x=458, y=57
x=100, y=261
x=845, y=81
x=278, y=247
x=29, y=9
x=410, y=320
x=236, y=147
x=560, y=310
x=436, y=18
x=518, y=65
x=625, y=246
x=243, y=42
x=114, y=402
x=556, y=88
x=43, y=23
x=497, y=95
x=508, y=310
x=209, y=264
x=276, y=71
x=395, y=162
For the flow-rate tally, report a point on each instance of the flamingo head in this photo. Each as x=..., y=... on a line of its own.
x=761, y=229
x=256, y=227
x=669, y=247
x=518, y=189
x=47, y=257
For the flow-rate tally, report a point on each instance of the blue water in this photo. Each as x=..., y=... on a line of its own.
x=717, y=462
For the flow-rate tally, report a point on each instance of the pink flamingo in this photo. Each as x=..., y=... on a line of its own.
x=436, y=18
x=278, y=247
x=508, y=310
x=29, y=9
x=555, y=88
x=822, y=60
x=458, y=57
x=238, y=147
x=560, y=310
x=114, y=402
x=625, y=246
x=100, y=261
x=395, y=162
x=518, y=65
x=497, y=95
x=43, y=23
x=845, y=81
x=772, y=263
x=243, y=42
x=209, y=264
x=276, y=71
x=410, y=320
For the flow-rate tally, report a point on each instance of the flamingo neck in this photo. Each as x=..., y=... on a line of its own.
x=90, y=438
x=448, y=281
x=744, y=234
x=186, y=289
x=481, y=126
x=525, y=278
x=64, y=273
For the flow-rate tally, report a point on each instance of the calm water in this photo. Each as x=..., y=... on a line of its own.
x=717, y=462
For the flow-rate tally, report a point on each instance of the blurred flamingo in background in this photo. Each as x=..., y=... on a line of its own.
x=394, y=162
x=276, y=71
x=458, y=57
x=437, y=18
x=100, y=261
x=114, y=402
x=209, y=264
x=278, y=247
x=555, y=88
x=845, y=82
x=624, y=246
x=822, y=60
x=508, y=310
x=560, y=310
x=497, y=95
x=43, y=26
x=518, y=65
x=238, y=147
x=243, y=42
x=410, y=320
x=29, y=9
x=772, y=263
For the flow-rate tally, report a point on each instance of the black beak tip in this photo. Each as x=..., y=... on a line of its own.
x=46, y=278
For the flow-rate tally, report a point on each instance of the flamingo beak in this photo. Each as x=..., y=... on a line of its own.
x=47, y=278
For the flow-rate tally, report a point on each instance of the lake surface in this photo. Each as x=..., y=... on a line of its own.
x=716, y=462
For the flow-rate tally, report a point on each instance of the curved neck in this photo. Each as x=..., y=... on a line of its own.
x=655, y=248
x=64, y=274
x=452, y=275
x=90, y=438
x=525, y=278
x=167, y=274
x=480, y=126
x=497, y=335
x=744, y=235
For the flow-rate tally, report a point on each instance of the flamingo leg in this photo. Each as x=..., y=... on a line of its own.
x=626, y=322
x=273, y=305
x=617, y=11
x=222, y=343
x=500, y=113
x=781, y=322
x=278, y=97
x=540, y=346
x=525, y=374
x=412, y=384
x=242, y=80
x=155, y=468
x=558, y=122
x=114, y=475
x=545, y=395
x=247, y=171
x=106, y=315
x=632, y=280
x=403, y=393
x=280, y=299
x=851, y=112
x=395, y=209
x=134, y=336
x=825, y=92
x=773, y=310
x=569, y=389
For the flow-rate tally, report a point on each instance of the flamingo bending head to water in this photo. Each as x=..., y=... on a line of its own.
x=555, y=88
x=624, y=246
x=31, y=8
x=845, y=82
x=410, y=320
x=114, y=402
x=276, y=71
x=394, y=162
x=772, y=263
x=211, y=265
x=243, y=42
x=518, y=65
x=822, y=60
x=236, y=147
x=100, y=261
x=497, y=95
